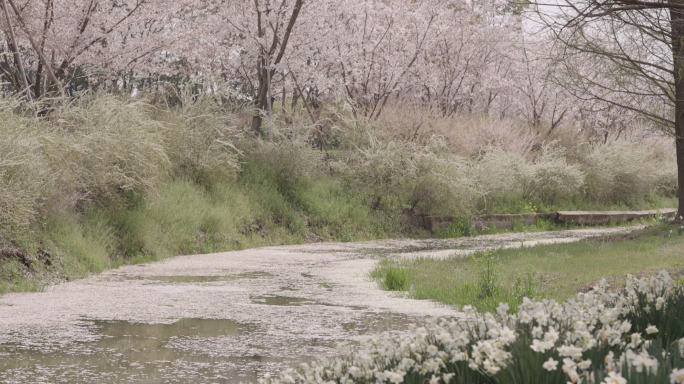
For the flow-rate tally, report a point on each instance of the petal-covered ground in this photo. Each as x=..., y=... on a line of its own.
x=220, y=318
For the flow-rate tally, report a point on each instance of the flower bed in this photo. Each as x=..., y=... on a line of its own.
x=634, y=335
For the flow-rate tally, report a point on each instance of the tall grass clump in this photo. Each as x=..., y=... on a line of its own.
x=199, y=136
x=602, y=336
x=22, y=174
x=465, y=134
x=103, y=145
x=289, y=153
x=91, y=150
x=72, y=181
x=392, y=276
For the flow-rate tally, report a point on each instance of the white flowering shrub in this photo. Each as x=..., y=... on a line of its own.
x=499, y=173
x=552, y=177
x=424, y=175
x=549, y=177
x=441, y=184
x=632, y=336
x=622, y=170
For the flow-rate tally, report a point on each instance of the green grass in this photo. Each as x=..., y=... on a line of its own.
x=13, y=278
x=555, y=271
x=258, y=208
x=391, y=276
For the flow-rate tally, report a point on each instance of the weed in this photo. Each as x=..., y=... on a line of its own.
x=526, y=285
x=391, y=276
x=487, y=275
x=396, y=279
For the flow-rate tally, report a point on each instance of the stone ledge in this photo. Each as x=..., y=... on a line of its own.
x=506, y=221
x=600, y=218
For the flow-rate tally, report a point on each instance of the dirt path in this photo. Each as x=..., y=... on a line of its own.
x=219, y=318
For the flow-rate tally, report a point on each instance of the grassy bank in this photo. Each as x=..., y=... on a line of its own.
x=101, y=180
x=185, y=217
x=555, y=271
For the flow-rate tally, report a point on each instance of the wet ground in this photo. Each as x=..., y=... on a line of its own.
x=220, y=318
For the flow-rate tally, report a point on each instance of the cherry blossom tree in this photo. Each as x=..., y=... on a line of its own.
x=462, y=56
x=99, y=38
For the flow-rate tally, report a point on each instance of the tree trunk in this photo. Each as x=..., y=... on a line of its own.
x=268, y=59
x=37, y=86
x=680, y=164
x=15, y=49
x=677, y=26
x=262, y=95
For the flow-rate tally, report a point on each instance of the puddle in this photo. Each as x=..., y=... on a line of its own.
x=181, y=328
x=201, y=279
x=283, y=301
x=252, y=275
x=131, y=352
x=188, y=279
x=186, y=351
x=288, y=289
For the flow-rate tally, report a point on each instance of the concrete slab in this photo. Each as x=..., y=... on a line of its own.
x=605, y=217
x=506, y=221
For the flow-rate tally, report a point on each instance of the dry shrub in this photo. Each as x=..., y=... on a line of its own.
x=354, y=132
x=413, y=122
x=625, y=170
x=570, y=137
x=477, y=132
x=465, y=135
x=199, y=137
x=381, y=165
